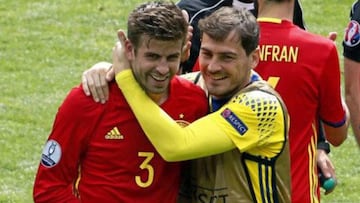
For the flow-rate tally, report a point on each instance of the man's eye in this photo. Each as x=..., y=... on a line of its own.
x=173, y=58
x=152, y=57
x=206, y=55
x=228, y=58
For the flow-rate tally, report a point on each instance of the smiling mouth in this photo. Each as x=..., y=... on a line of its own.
x=160, y=78
x=217, y=77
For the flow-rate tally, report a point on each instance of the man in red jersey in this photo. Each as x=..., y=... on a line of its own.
x=98, y=152
x=309, y=85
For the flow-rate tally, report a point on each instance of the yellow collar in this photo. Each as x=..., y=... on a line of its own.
x=271, y=20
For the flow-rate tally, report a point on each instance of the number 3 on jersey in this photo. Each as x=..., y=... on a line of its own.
x=146, y=166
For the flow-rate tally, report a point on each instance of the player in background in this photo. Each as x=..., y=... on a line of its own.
x=351, y=52
x=198, y=9
x=309, y=85
x=98, y=152
x=248, y=126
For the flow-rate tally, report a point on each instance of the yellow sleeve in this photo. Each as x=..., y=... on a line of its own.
x=255, y=120
x=203, y=137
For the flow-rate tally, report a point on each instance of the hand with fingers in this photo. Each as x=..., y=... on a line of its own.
x=94, y=81
x=326, y=171
x=186, y=48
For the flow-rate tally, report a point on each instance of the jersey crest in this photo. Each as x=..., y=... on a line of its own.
x=352, y=34
x=51, y=154
x=182, y=123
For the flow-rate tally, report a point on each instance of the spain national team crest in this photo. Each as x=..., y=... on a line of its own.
x=352, y=34
x=181, y=122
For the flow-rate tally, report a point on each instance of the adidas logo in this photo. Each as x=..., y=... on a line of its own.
x=114, y=134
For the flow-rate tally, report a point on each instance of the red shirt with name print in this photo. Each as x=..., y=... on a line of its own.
x=304, y=69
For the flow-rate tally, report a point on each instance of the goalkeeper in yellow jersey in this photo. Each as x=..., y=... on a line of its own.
x=240, y=150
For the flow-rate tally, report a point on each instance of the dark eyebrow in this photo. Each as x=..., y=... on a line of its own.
x=221, y=53
x=177, y=54
x=174, y=54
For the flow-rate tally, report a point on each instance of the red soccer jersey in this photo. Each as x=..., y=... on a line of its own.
x=98, y=152
x=304, y=69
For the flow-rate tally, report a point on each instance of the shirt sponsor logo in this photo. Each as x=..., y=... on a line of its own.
x=51, y=154
x=234, y=121
x=352, y=34
x=114, y=134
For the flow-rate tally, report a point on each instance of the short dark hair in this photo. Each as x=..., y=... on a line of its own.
x=222, y=22
x=158, y=20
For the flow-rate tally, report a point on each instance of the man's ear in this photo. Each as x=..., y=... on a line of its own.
x=255, y=58
x=185, y=15
x=129, y=50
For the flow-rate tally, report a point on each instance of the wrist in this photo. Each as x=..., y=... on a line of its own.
x=324, y=146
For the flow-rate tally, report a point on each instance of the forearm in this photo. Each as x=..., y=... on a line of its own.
x=354, y=108
x=352, y=97
x=173, y=142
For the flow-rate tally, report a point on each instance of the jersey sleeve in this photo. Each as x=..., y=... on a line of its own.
x=60, y=158
x=331, y=110
x=255, y=120
x=351, y=41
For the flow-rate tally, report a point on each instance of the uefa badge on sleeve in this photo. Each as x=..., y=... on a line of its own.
x=236, y=122
x=352, y=34
x=51, y=154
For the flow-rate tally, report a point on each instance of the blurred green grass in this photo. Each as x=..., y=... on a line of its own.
x=46, y=45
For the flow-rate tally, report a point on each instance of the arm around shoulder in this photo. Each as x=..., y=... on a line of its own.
x=174, y=143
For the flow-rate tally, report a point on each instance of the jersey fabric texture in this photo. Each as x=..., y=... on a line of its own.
x=103, y=148
x=255, y=119
x=310, y=87
x=351, y=41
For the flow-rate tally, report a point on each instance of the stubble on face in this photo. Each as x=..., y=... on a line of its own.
x=154, y=65
x=224, y=65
